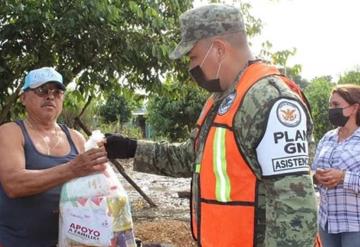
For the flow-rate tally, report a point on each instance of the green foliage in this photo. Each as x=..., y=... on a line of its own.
x=280, y=59
x=115, y=127
x=74, y=103
x=173, y=111
x=303, y=83
x=318, y=93
x=96, y=42
x=253, y=25
x=294, y=74
x=350, y=77
x=118, y=107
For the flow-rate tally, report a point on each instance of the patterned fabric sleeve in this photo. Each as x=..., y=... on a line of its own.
x=352, y=181
x=174, y=160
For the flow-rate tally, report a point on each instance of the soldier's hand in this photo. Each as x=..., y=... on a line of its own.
x=89, y=162
x=119, y=147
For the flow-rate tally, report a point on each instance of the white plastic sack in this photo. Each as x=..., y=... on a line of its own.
x=95, y=210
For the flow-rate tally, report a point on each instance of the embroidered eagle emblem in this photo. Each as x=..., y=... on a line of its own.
x=288, y=114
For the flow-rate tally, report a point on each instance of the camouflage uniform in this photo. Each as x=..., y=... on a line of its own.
x=286, y=204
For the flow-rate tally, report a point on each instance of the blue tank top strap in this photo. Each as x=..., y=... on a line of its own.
x=67, y=133
x=64, y=128
x=23, y=129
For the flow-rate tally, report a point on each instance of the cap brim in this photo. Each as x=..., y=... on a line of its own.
x=59, y=84
x=181, y=49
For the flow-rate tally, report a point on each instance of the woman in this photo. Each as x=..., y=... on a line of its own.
x=337, y=171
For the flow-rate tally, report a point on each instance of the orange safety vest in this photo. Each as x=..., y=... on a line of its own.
x=224, y=187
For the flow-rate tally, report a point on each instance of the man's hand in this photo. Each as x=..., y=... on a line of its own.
x=89, y=162
x=119, y=147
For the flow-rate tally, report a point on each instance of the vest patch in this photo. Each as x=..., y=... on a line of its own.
x=226, y=103
x=288, y=114
x=284, y=146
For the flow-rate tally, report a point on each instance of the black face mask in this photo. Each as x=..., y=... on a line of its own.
x=209, y=85
x=337, y=118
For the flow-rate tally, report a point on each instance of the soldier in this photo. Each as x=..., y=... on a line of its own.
x=248, y=156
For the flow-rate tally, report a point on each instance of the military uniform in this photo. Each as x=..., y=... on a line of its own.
x=272, y=129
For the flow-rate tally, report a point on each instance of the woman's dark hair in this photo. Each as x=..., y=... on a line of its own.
x=351, y=94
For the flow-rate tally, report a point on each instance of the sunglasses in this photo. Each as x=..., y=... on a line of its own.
x=43, y=91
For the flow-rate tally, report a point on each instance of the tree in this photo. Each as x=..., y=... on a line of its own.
x=96, y=43
x=303, y=83
x=118, y=107
x=280, y=59
x=173, y=111
x=350, y=77
x=318, y=93
x=75, y=105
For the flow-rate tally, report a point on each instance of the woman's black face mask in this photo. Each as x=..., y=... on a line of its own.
x=337, y=118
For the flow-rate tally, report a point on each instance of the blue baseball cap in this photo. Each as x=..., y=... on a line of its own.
x=37, y=77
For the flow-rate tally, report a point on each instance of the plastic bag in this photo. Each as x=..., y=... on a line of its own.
x=95, y=210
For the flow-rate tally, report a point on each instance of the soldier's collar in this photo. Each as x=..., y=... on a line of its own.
x=219, y=96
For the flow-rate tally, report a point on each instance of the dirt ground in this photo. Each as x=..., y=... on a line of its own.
x=169, y=222
x=164, y=231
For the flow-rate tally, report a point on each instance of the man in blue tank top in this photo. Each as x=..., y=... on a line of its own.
x=37, y=156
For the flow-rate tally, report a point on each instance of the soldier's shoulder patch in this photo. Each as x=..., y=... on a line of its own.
x=288, y=114
x=226, y=103
x=283, y=148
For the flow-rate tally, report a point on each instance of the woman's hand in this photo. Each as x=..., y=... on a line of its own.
x=329, y=177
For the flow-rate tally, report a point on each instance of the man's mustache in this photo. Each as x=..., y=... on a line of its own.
x=48, y=104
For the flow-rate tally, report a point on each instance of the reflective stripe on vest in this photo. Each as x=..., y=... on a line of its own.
x=223, y=186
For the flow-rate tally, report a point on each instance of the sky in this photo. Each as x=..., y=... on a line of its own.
x=326, y=33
